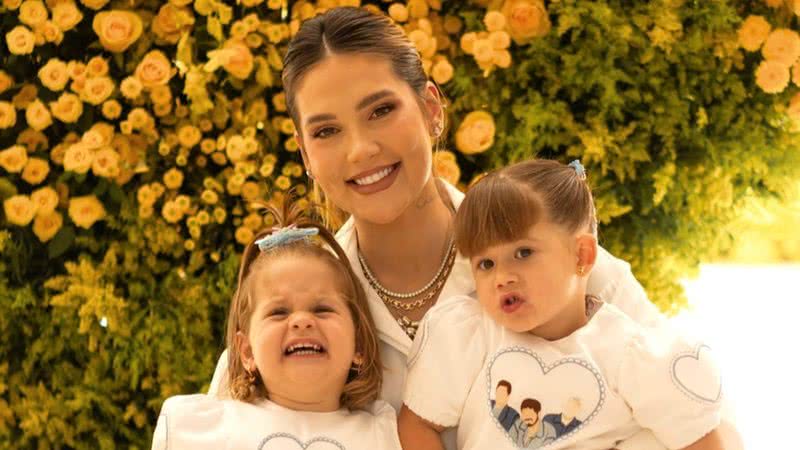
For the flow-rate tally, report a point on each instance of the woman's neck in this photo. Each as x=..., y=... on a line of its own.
x=405, y=254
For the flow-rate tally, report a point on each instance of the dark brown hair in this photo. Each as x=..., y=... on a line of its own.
x=506, y=203
x=505, y=384
x=363, y=385
x=530, y=403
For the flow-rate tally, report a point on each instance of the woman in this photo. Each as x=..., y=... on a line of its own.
x=367, y=119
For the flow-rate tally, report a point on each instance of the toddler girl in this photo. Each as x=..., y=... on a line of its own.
x=304, y=368
x=535, y=362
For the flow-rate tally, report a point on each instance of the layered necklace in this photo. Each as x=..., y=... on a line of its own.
x=401, y=301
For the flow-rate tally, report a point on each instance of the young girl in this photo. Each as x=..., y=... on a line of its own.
x=304, y=364
x=535, y=362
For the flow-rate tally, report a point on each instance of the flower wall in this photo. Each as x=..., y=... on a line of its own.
x=134, y=134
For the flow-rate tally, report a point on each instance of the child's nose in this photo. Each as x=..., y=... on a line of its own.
x=302, y=320
x=505, y=278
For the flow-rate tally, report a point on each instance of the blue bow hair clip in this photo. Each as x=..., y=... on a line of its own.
x=578, y=169
x=284, y=236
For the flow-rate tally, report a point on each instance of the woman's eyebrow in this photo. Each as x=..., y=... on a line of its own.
x=371, y=98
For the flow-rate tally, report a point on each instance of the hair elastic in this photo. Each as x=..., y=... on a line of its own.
x=576, y=164
x=284, y=236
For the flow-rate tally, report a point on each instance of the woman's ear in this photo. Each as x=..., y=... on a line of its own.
x=586, y=252
x=434, y=108
x=245, y=352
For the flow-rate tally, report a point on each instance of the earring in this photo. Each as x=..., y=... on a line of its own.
x=581, y=269
x=437, y=130
x=308, y=174
x=251, y=376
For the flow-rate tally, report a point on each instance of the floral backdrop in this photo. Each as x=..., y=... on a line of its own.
x=134, y=134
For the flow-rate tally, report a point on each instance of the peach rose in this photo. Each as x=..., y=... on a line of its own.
x=772, y=76
x=117, y=29
x=20, y=40
x=14, y=158
x=38, y=116
x=85, y=211
x=8, y=115
x=67, y=108
x=154, y=69
x=783, y=46
x=526, y=19
x=46, y=225
x=19, y=210
x=97, y=90
x=171, y=22
x=32, y=13
x=45, y=199
x=239, y=62
x=54, y=75
x=35, y=171
x=66, y=15
x=476, y=133
x=753, y=32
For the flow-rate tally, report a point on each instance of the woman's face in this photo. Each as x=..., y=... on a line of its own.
x=364, y=135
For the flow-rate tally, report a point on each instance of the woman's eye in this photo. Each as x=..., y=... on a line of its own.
x=326, y=132
x=485, y=264
x=382, y=111
x=522, y=253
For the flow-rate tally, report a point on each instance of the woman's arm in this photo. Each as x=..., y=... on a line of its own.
x=711, y=441
x=417, y=433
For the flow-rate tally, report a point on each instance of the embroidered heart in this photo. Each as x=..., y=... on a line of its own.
x=532, y=403
x=285, y=441
x=695, y=374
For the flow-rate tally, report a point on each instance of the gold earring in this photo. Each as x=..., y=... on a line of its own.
x=581, y=270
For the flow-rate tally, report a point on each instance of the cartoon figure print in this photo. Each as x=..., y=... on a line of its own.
x=530, y=431
x=505, y=414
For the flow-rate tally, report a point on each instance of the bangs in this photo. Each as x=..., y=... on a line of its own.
x=496, y=210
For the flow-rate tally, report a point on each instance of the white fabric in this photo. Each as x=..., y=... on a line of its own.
x=201, y=422
x=626, y=377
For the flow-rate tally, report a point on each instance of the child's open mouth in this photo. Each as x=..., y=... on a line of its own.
x=304, y=349
x=510, y=303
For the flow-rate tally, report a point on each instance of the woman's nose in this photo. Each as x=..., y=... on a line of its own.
x=362, y=147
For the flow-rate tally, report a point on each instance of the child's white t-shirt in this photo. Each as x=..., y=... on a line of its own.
x=606, y=382
x=201, y=422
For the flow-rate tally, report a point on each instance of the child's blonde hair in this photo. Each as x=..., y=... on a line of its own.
x=364, y=382
x=506, y=203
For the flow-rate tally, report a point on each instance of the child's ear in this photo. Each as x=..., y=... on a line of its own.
x=586, y=251
x=245, y=351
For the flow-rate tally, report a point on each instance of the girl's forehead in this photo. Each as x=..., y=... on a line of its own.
x=296, y=276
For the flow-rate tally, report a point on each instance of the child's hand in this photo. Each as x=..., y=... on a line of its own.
x=417, y=433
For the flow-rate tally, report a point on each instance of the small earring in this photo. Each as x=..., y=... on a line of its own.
x=308, y=174
x=581, y=269
x=437, y=130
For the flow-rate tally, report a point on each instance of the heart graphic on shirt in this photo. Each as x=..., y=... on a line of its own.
x=695, y=374
x=286, y=441
x=568, y=393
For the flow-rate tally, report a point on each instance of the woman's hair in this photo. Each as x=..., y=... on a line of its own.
x=350, y=30
x=506, y=203
x=363, y=384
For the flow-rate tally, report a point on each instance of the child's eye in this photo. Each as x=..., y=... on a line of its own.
x=325, y=132
x=522, y=253
x=278, y=312
x=382, y=111
x=323, y=309
x=485, y=264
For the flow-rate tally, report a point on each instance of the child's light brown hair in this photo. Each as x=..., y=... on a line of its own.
x=363, y=384
x=506, y=203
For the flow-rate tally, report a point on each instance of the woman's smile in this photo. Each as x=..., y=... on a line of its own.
x=374, y=180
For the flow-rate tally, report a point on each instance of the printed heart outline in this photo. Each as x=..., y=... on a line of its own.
x=685, y=389
x=299, y=442
x=545, y=369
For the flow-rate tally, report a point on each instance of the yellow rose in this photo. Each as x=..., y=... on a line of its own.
x=97, y=67
x=476, y=133
x=283, y=183
x=772, y=76
x=85, y=211
x=500, y=40
x=32, y=13
x=501, y=58
x=783, y=46
x=111, y=109
x=209, y=197
x=173, y=178
x=442, y=71
x=51, y=32
x=8, y=115
x=526, y=19
x=244, y=235
x=19, y=210
x=172, y=212
x=12, y=4
x=494, y=21
x=67, y=108
x=46, y=225
x=171, y=21
x=38, y=116
x=398, y=12
x=97, y=90
x=117, y=29
x=106, y=163
x=161, y=95
x=45, y=200
x=35, y=171
x=154, y=69
x=753, y=32
x=446, y=167
x=66, y=15
x=78, y=158
x=94, y=4
x=774, y=3
x=76, y=69
x=14, y=158
x=189, y=135
x=130, y=87
x=417, y=9
x=483, y=51
x=467, y=42
x=6, y=81
x=239, y=61
x=20, y=40
x=251, y=191
x=25, y=96
x=54, y=75
x=104, y=131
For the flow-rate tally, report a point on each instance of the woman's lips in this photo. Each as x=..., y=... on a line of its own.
x=378, y=185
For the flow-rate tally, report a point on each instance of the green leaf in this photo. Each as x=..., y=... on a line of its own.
x=61, y=242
